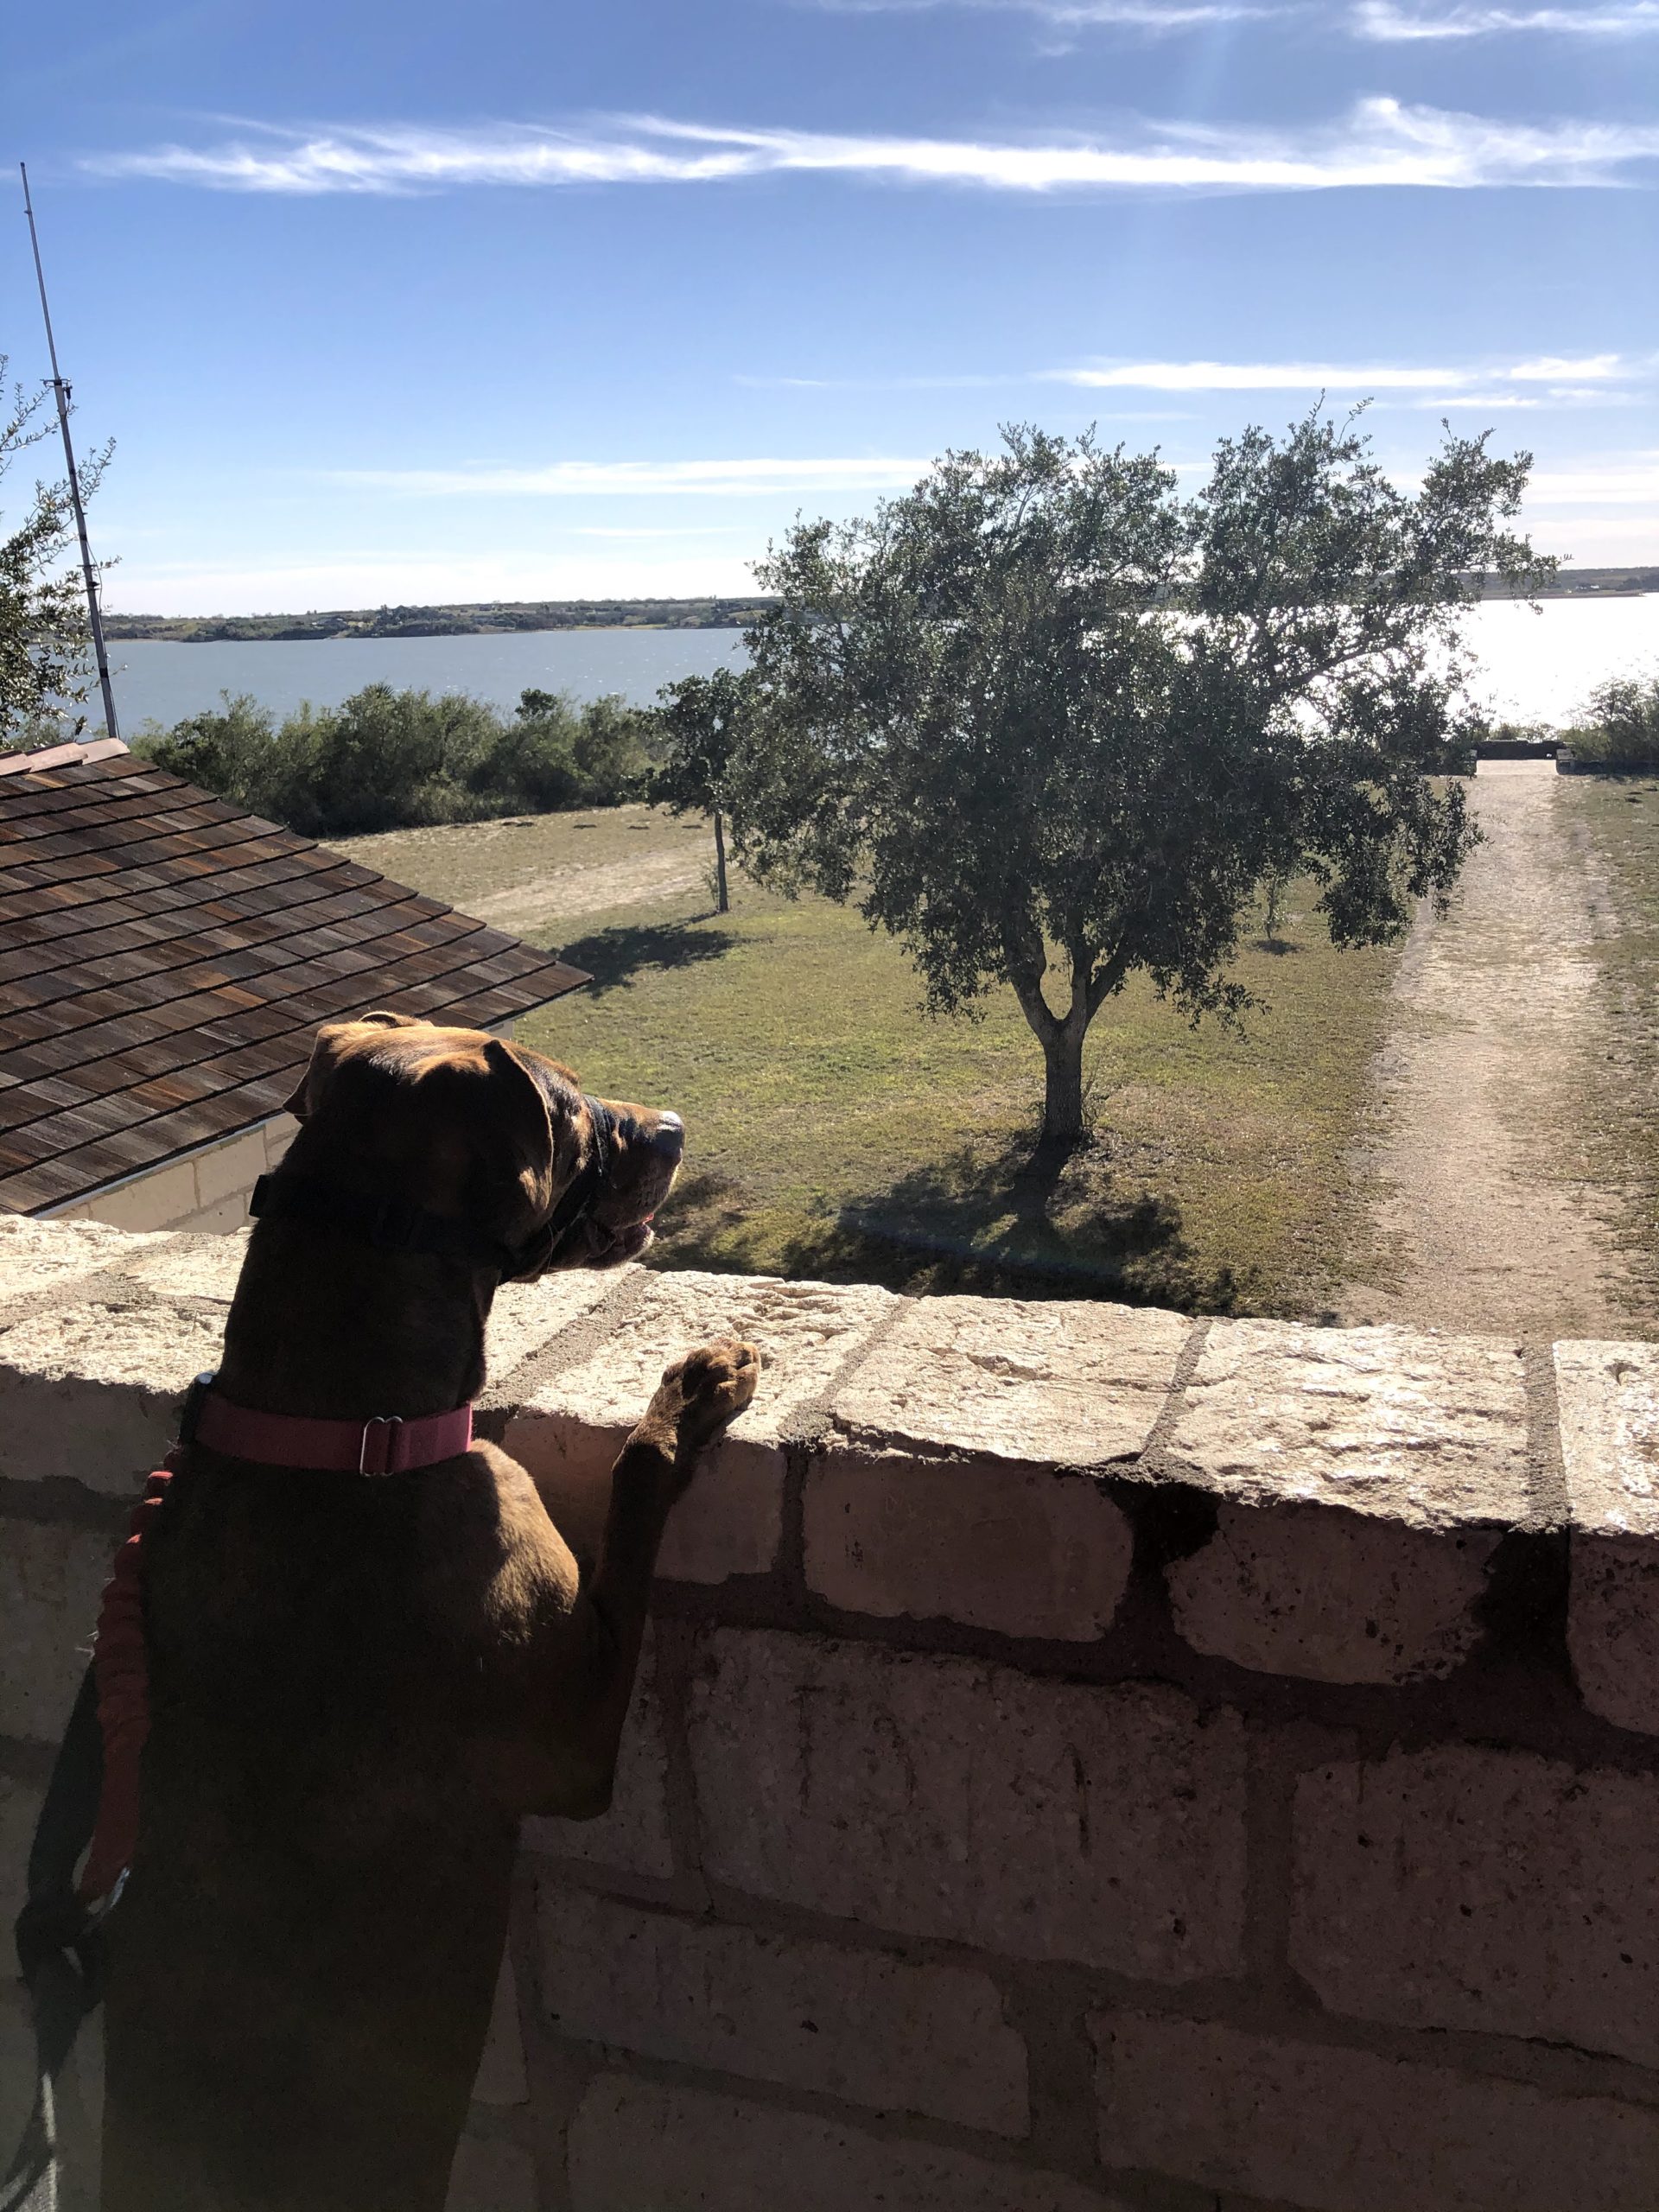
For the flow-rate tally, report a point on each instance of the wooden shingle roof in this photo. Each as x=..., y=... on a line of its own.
x=165, y=960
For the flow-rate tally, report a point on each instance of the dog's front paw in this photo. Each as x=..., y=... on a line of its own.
x=700, y=1394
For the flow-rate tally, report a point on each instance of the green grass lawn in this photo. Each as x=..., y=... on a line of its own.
x=835, y=1130
x=1615, y=1141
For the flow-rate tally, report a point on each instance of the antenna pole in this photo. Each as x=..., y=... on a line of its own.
x=61, y=391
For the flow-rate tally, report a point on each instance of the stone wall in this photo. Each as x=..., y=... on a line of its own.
x=204, y=1190
x=1086, y=1759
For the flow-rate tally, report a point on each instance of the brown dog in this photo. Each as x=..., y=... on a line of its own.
x=359, y=1682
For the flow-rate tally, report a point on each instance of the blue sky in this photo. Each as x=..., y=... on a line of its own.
x=423, y=302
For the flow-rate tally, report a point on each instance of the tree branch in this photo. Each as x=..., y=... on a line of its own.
x=1026, y=960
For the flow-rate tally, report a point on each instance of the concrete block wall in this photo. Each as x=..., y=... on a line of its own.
x=1085, y=1759
x=204, y=1190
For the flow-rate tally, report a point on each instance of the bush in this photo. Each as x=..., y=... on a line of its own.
x=1623, y=727
x=232, y=753
x=388, y=759
x=531, y=767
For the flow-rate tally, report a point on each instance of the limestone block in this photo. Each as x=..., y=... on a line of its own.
x=853, y=2024
x=1337, y=2130
x=79, y=2097
x=491, y=2176
x=1612, y=1627
x=225, y=1217
x=91, y=1392
x=16, y=2060
x=1419, y=1439
x=20, y=1808
x=1491, y=1890
x=158, y=1200
x=229, y=1170
x=946, y=1797
x=1608, y=1394
x=42, y=1255
x=189, y=1266
x=636, y=2145
x=729, y=1522
x=1027, y=1551
x=1425, y=1431
x=1331, y=1596
x=51, y=1579
x=1054, y=1381
x=278, y=1135
x=634, y=1834
x=527, y=1316
x=501, y=2077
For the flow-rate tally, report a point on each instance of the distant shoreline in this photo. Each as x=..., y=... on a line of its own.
x=509, y=617
x=482, y=619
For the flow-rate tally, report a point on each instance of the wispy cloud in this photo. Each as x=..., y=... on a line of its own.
x=1379, y=142
x=424, y=576
x=1153, y=18
x=1379, y=22
x=1631, y=480
x=604, y=479
x=1390, y=23
x=1312, y=376
x=653, y=532
x=947, y=380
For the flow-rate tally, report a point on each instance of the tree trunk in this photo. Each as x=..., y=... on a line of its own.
x=1063, y=1092
x=723, y=904
x=1060, y=1035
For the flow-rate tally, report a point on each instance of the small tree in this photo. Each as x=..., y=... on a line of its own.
x=698, y=725
x=1623, y=725
x=1042, y=717
x=42, y=606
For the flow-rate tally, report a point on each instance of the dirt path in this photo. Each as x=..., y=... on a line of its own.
x=1496, y=1008
x=536, y=902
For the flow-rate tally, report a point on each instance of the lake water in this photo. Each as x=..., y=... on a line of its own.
x=1537, y=666
x=161, y=682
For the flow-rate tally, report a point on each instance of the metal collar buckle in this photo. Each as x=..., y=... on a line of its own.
x=388, y=1442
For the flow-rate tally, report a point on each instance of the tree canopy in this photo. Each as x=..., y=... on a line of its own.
x=1051, y=723
x=696, y=725
x=42, y=606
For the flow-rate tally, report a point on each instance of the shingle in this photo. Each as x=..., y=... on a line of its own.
x=166, y=958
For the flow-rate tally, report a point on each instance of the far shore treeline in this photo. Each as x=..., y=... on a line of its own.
x=481, y=619
x=497, y=618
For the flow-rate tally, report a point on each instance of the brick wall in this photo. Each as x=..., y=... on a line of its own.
x=1085, y=1759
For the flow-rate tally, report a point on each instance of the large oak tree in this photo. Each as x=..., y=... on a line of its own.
x=1051, y=723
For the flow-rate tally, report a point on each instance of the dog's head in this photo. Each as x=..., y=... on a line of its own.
x=488, y=1133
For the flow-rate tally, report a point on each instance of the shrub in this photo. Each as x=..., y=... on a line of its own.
x=531, y=767
x=1622, y=730
x=611, y=752
x=230, y=751
x=390, y=760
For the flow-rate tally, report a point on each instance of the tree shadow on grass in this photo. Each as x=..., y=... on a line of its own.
x=616, y=955
x=1022, y=1221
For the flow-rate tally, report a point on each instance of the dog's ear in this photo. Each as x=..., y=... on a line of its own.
x=325, y=1054
x=530, y=1117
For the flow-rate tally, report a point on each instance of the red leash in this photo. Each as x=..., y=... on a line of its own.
x=121, y=1669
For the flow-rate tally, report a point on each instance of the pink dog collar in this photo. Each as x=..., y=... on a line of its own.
x=384, y=1445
